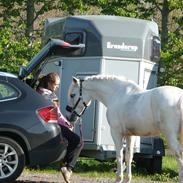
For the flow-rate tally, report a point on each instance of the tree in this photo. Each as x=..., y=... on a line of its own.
x=171, y=25
x=18, y=29
x=15, y=50
x=24, y=15
x=168, y=14
x=172, y=62
x=27, y=12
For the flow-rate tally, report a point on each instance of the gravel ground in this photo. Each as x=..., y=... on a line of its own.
x=28, y=177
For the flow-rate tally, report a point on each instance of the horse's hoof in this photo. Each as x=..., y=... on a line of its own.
x=118, y=181
x=127, y=180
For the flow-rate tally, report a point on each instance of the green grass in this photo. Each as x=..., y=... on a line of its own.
x=91, y=167
x=169, y=171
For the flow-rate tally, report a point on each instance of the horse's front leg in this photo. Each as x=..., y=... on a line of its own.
x=130, y=142
x=117, y=138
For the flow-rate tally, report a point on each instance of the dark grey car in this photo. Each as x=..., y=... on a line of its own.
x=26, y=137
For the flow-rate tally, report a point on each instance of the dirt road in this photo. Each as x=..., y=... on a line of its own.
x=28, y=177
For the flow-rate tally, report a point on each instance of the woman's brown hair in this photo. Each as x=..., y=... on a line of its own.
x=49, y=78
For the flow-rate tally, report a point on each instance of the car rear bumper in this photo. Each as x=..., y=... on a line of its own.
x=51, y=151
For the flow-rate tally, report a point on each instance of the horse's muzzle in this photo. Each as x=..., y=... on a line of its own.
x=73, y=116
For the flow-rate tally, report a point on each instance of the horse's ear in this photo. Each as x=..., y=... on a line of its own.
x=75, y=80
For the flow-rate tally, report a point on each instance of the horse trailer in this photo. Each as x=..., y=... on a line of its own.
x=109, y=45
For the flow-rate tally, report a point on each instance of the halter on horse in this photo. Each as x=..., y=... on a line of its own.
x=70, y=109
x=132, y=111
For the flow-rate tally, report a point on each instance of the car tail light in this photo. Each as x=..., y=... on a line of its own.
x=49, y=114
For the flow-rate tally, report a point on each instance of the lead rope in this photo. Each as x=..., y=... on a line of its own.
x=81, y=130
x=80, y=119
x=77, y=151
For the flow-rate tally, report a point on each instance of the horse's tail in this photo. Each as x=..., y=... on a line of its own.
x=181, y=121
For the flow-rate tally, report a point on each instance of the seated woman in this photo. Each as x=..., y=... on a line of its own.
x=47, y=86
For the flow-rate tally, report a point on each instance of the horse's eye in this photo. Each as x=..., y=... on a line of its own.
x=72, y=95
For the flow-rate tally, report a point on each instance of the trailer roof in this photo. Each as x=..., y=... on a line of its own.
x=103, y=32
x=102, y=21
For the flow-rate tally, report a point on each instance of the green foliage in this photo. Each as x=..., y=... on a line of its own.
x=72, y=7
x=172, y=62
x=15, y=50
x=117, y=7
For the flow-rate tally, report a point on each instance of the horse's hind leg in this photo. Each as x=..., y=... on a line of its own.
x=177, y=150
x=130, y=142
x=173, y=131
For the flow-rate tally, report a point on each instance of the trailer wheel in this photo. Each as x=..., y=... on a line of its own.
x=155, y=165
x=12, y=160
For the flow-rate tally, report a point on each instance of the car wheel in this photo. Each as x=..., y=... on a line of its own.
x=12, y=160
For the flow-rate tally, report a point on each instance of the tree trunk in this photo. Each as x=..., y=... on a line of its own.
x=165, y=15
x=30, y=18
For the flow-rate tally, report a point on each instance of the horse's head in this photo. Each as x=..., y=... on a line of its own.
x=78, y=100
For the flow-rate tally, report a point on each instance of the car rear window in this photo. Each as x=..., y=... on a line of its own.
x=7, y=92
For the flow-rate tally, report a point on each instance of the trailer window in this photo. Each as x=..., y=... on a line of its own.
x=156, y=45
x=75, y=38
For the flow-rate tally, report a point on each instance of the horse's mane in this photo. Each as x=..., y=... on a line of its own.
x=105, y=77
x=119, y=80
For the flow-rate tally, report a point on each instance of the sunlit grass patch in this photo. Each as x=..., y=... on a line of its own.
x=93, y=168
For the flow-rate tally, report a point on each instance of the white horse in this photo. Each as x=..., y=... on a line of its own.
x=131, y=111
